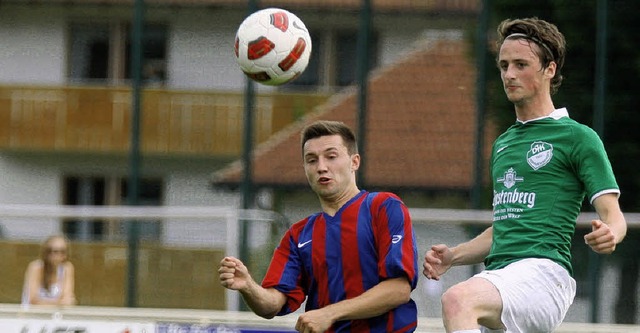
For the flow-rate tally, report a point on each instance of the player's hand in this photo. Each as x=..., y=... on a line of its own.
x=601, y=239
x=437, y=261
x=314, y=321
x=233, y=274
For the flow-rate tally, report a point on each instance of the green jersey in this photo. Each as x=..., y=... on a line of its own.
x=541, y=171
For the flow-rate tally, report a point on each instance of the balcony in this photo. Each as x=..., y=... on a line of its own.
x=98, y=119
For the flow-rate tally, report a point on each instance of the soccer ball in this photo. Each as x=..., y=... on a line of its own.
x=272, y=46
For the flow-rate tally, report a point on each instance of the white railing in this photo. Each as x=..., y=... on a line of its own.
x=432, y=225
x=15, y=319
x=189, y=226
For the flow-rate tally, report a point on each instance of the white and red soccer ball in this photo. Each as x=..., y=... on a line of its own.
x=272, y=46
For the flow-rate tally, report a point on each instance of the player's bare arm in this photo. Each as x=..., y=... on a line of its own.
x=440, y=257
x=264, y=302
x=387, y=295
x=611, y=229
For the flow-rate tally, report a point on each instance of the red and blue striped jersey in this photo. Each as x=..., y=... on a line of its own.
x=327, y=259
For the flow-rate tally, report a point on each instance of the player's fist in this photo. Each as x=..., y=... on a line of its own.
x=437, y=261
x=233, y=273
x=601, y=239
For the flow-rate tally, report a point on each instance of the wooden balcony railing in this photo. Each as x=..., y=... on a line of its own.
x=91, y=119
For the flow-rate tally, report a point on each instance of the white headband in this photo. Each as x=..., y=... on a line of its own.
x=534, y=39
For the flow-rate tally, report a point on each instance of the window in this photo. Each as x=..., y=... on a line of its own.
x=347, y=57
x=103, y=191
x=333, y=60
x=100, y=52
x=154, y=54
x=84, y=191
x=89, y=58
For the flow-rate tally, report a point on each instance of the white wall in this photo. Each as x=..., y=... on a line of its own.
x=32, y=46
x=21, y=182
x=200, y=46
x=188, y=185
x=36, y=178
x=201, y=50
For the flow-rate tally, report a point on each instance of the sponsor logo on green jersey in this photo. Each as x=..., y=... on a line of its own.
x=540, y=154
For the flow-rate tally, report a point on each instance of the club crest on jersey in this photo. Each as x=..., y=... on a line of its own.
x=540, y=154
x=510, y=178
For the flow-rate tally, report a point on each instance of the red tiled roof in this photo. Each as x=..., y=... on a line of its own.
x=421, y=126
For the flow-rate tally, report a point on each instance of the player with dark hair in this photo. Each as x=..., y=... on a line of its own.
x=542, y=168
x=355, y=262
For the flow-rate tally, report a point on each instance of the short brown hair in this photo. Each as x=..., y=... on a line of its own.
x=328, y=127
x=546, y=35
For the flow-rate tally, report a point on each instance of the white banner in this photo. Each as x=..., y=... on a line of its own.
x=72, y=326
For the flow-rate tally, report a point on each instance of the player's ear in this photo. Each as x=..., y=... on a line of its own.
x=355, y=162
x=550, y=70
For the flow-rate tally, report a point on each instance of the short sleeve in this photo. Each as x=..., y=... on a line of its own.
x=398, y=254
x=284, y=273
x=593, y=165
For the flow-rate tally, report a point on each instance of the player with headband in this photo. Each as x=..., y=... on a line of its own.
x=542, y=168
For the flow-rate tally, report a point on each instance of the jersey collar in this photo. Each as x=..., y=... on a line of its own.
x=556, y=114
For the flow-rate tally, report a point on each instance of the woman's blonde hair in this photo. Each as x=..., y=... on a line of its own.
x=48, y=271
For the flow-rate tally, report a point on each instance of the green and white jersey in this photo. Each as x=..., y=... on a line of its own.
x=541, y=171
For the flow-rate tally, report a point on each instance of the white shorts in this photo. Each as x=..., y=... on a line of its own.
x=536, y=294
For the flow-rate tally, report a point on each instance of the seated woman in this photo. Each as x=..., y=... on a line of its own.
x=50, y=279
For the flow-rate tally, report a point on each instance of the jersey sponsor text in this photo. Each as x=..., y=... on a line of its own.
x=515, y=196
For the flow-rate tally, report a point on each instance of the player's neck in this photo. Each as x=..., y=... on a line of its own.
x=534, y=109
x=332, y=205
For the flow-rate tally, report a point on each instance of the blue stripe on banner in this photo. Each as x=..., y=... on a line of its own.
x=214, y=328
